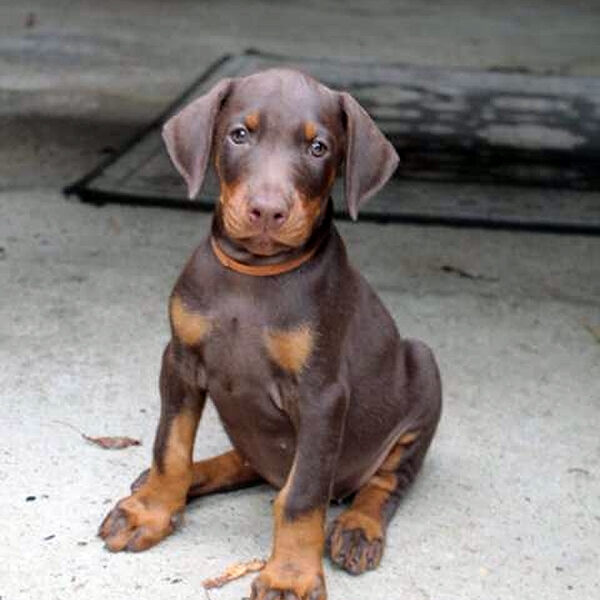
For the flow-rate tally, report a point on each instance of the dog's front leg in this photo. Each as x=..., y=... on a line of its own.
x=141, y=520
x=294, y=570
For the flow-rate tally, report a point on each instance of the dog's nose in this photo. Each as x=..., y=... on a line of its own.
x=267, y=212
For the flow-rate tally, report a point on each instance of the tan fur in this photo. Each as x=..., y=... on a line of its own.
x=190, y=327
x=233, y=206
x=290, y=349
x=409, y=438
x=153, y=507
x=295, y=231
x=252, y=121
x=172, y=482
x=393, y=459
x=300, y=222
x=296, y=560
x=310, y=131
x=221, y=472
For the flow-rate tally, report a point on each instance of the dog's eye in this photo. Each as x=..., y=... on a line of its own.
x=317, y=148
x=239, y=135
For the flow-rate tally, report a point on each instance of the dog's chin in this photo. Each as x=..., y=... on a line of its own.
x=264, y=246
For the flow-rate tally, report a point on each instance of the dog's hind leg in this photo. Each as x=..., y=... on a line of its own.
x=356, y=538
x=223, y=473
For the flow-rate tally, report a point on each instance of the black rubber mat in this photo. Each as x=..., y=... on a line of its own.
x=477, y=148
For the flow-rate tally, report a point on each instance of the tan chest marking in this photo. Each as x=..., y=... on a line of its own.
x=290, y=349
x=190, y=327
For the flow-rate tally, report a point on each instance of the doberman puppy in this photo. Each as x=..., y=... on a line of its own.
x=317, y=391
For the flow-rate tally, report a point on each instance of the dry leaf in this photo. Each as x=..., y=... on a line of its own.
x=108, y=442
x=112, y=442
x=233, y=572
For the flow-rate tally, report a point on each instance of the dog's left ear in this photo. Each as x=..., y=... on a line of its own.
x=189, y=134
x=370, y=158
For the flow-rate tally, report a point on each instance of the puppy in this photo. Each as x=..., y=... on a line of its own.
x=316, y=390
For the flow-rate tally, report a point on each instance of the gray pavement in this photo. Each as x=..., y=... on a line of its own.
x=508, y=503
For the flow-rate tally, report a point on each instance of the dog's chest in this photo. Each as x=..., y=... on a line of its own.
x=253, y=370
x=247, y=337
x=247, y=350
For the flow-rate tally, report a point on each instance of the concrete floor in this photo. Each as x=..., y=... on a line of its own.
x=508, y=503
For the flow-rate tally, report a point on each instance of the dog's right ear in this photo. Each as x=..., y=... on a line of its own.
x=188, y=135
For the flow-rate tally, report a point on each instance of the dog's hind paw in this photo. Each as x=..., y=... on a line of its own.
x=355, y=542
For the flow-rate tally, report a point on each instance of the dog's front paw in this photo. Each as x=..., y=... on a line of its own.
x=137, y=523
x=281, y=580
x=355, y=542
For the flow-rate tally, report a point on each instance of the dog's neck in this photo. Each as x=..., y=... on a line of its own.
x=234, y=256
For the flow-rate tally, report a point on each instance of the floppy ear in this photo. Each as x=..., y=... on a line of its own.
x=188, y=135
x=370, y=158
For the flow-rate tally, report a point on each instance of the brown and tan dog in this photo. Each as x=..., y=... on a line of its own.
x=317, y=391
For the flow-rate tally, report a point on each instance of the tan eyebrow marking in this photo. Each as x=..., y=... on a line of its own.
x=310, y=131
x=252, y=120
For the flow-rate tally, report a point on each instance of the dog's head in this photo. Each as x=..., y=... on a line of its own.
x=278, y=139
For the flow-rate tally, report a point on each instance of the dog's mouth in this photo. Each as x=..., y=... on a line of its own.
x=263, y=244
x=266, y=239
